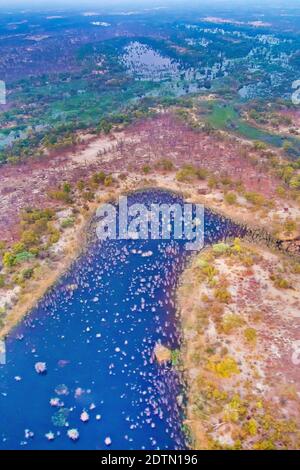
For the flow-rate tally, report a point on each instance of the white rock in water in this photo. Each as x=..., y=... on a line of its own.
x=28, y=434
x=50, y=436
x=56, y=402
x=98, y=417
x=73, y=434
x=84, y=417
x=107, y=441
x=146, y=254
x=40, y=367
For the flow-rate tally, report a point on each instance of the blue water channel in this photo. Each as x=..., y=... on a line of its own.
x=96, y=331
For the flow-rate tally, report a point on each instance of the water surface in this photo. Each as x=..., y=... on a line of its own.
x=96, y=331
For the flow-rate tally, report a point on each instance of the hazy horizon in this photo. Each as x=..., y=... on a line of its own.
x=139, y=4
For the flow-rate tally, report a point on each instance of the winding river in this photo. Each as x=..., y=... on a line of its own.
x=96, y=331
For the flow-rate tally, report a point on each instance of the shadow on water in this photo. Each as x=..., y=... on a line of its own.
x=96, y=331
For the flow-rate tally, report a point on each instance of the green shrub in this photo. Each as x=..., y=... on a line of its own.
x=27, y=273
x=69, y=222
x=54, y=237
x=231, y=321
x=165, y=164
x=175, y=357
x=18, y=248
x=8, y=259
x=295, y=182
x=2, y=281
x=220, y=248
x=23, y=257
x=88, y=196
x=289, y=226
x=281, y=283
x=80, y=185
x=212, y=182
x=264, y=445
x=66, y=187
x=230, y=198
x=224, y=368
x=258, y=145
x=146, y=169
x=251, y=427
x=250, y=335
x=280, y=191
x=189, y=173
x=29, y=238
x=99, y=177
x=223, y=295
x=108, y=181
x=60, y=195
x=255, y=198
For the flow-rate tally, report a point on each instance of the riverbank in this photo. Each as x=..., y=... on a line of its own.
x=71, y=246
x=239, y=306
x=72, y=240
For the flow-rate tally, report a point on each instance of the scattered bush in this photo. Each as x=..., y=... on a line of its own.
x=29, y=238
x=222, y=295
x=63, y=193
x=212, y=182
x=69, y=222
x=60, y=195
x=235, y=410
x=264, y=445
x=23, y=257
x=255, y=198
x=250, y=335
x=146, y=169
x=280, y=191
x=220, y=248
x=230, y=322
x=8, y=259
x=108, y=181
x=27, y=273
x=280, y=282
x=88, y=196
x=80, y=185
x=54, y=237
x=98, y=178
x=251, y=427
x=230, y=198
x=289, y=226
x=189, y=173
x=175, y=357
x=224, y=368
x=2, y=281
x=165, y=165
